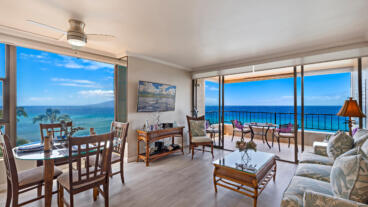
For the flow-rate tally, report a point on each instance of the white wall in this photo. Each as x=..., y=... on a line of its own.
x=140, y=69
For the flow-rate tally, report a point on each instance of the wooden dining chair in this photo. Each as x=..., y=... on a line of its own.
x=120, y=130
x=197, y=134
x=23, y=181
x=57, y=133
x=83, y=177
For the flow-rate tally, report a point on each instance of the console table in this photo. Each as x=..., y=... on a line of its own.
x=152, y=136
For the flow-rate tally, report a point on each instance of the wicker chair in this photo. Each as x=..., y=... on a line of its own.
x=195, y=141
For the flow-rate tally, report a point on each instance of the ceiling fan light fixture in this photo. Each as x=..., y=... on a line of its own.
x=77, y=42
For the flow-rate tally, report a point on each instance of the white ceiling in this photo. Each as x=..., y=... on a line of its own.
x=197, y=34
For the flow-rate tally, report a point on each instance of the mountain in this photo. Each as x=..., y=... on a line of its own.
x=106, y=104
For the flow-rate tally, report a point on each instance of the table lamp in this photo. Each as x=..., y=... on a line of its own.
x=350, y=109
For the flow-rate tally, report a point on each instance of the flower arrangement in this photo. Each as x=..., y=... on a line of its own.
x=242, y=145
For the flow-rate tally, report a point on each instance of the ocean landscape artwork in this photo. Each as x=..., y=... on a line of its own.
x=154, y=97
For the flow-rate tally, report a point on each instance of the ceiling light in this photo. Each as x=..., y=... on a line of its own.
x=76, y=42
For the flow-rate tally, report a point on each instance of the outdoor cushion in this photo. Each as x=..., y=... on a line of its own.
x=360, y=137
x=313, y=199
x=287, y=135
x=349, y=178
x=201, y=139
x=315, y=171
x=308, y=157
x=338, y=144
x=293, y=196
x=197, y=128
x=320, y=148
x=34, y=175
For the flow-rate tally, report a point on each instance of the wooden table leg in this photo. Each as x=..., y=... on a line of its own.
x=48, y=176
x=147, y=153
x=255, y=193
x=182, y=143
x=137, y=150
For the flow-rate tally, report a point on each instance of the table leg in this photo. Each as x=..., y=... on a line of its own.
x=173, y=140
x=137, y=150
x=48, y=176
x=147, y=153
x=266, y=138
x=182, y=143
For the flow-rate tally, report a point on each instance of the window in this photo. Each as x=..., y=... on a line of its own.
x=71, y=88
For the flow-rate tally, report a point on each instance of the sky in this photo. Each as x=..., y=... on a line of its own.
x=50, y=79
x=321, y=90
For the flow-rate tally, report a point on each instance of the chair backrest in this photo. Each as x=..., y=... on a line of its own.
x=56, y=130
x=236, y=124
x=286, y=128
x=11, y=168
x=120, y=130
x=80, y=148
x=189, y=118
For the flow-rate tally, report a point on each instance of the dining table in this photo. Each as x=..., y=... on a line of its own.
x=58, y=151
x=265, y=128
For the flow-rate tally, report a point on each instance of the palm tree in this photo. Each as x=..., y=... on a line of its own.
x=21, y=112
x=52, y=116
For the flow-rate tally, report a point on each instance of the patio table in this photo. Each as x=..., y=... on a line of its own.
x=265, y=128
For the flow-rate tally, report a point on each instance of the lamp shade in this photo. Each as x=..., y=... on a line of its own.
x=350, y=109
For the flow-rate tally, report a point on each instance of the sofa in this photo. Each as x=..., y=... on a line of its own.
x=314, y=183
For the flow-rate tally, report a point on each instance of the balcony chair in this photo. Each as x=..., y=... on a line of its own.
x=20, y=182
x=284, y=131
x=120, y=130
x=238, y=127
x=212, y=131
x=85, y=178
x=197, y=134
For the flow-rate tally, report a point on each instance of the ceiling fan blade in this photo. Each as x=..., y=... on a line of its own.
x=100, y=37
x=46, y=26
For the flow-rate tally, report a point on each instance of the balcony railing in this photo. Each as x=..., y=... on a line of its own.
x=327, y=122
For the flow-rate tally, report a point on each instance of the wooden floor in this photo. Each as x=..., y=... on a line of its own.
x=177, y=180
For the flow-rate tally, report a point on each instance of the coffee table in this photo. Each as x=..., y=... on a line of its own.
x=245, y=172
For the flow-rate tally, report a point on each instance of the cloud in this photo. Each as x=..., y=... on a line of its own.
x=36, y=99
x=98, y=92
x=43, y=57
x=75, y=82
x=212, y=88
x=77, y=63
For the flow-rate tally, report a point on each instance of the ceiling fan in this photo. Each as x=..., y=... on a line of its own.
x=75, y=35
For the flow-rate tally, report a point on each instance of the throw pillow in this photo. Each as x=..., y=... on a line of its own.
x=360, y=136
x=349, y=178
x=197, y=128
x=364, y=149
x=338, y=144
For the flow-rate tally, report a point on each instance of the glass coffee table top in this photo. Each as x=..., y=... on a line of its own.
x=247, y=161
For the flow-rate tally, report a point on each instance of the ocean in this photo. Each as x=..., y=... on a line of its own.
x=97, y=117
x=316, y=117
x=100, y=118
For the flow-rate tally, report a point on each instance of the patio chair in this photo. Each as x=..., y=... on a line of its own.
x=20, y=182
x=85, y=177
x=197, y=134
x=284, y=131
x=212, y=131
x=239, y=127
